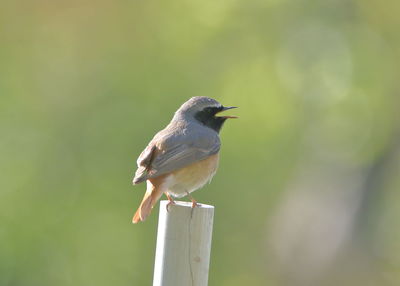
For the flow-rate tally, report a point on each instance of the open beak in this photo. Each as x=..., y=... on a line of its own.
x=227, y=108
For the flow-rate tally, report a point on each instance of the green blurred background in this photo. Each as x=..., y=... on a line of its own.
x=307, y=190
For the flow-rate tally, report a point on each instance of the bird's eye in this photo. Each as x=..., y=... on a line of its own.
x=210, y=111
x=207, y=110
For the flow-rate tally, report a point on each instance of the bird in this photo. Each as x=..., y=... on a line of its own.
x=182, y=157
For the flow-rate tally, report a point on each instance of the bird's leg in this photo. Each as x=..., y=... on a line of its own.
x=171, y=201
x=194, y=202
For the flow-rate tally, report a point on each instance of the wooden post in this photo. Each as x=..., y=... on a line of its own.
x=183, y=244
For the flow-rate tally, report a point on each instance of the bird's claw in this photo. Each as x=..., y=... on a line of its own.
x=169, y=204
x=194, y=204
x=171, y=201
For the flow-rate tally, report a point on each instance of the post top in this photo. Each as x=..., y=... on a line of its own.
x=187, y=204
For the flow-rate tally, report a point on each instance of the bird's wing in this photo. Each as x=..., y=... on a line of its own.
x=168, y=153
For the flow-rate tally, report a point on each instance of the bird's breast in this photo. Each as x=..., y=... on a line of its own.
x=192, y=177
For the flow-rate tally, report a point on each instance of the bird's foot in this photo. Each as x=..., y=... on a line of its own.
x=170, y=201
x=194, y=202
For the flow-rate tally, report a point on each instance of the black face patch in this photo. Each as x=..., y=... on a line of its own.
x=208, y=117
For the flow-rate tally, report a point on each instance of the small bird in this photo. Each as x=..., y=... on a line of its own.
x=183, y=156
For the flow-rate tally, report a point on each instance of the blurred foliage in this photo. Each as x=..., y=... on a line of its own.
x=84, y=85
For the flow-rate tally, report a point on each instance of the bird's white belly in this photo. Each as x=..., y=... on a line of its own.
x=190, y=178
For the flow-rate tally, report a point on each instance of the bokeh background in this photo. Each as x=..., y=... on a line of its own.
x=308, y=187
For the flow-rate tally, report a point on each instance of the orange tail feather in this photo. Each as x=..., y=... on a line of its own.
x=147, y=204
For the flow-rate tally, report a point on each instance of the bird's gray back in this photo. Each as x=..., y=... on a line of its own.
x=178, y=145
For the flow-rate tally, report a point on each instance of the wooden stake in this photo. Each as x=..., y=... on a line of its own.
x=183, y=244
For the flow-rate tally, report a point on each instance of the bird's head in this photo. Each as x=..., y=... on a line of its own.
x=205, y=110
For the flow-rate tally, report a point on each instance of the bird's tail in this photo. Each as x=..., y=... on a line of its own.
x=151, y=197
